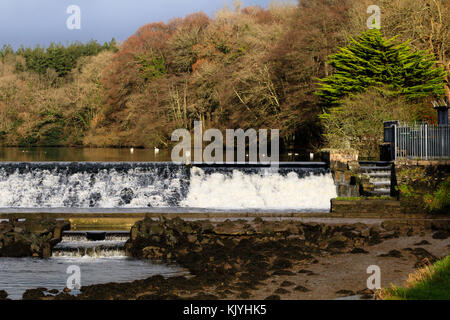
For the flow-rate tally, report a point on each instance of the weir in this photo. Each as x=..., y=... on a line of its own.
x=92, y=244
x=164, y=187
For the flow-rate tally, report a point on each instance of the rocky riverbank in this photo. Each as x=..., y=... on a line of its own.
x=30, y=238
x=270, y=259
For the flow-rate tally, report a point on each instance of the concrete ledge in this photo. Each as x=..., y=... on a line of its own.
x=369, y=208
x=141, y=215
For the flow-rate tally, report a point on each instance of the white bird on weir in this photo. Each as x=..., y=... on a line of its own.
x=156, y=150
x=131, y=150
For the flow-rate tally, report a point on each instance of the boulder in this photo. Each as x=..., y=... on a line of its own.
x=127, y=194
x=3, y=295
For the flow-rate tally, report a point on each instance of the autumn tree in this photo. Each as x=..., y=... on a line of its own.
x=299, y=57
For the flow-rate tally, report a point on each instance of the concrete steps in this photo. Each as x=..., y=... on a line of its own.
x=380, y=176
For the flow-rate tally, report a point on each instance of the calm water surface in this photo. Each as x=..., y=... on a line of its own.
x=82, y=154
x=100, y=155
x=19, y=274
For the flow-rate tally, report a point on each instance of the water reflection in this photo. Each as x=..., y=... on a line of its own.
x=83, y=154
x=70, y=154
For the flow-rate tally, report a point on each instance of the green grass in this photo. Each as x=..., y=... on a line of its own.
x=429, y=283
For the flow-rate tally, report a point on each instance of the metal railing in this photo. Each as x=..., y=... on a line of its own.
x=422, y=141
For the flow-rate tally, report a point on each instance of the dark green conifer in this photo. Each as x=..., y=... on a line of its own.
x=371, y=60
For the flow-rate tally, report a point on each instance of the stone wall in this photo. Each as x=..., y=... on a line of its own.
x=345, y=167
x=339, y=158
x=177, y=239
x=30, y=237
x=418, y=179
x=366, y=207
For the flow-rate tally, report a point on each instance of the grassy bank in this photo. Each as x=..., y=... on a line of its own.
x=429, y=283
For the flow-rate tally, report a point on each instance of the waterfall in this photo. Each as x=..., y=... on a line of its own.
x=295, y=186
x=264, y=189
x=92, y=244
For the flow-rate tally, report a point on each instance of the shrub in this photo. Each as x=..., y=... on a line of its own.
x=358, y=122
x=439, y=201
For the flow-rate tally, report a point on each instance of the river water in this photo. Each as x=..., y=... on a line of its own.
x=20, y=274
x=130, y=179
x=145, y=178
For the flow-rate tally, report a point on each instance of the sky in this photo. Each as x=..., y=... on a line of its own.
x=39, y=22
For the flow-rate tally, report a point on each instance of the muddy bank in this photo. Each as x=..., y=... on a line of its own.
x=30, y=238
x=270, y=259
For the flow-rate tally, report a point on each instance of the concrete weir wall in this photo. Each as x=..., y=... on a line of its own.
x=344, y=165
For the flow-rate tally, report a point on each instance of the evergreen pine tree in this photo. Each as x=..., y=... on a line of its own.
x=373, y=60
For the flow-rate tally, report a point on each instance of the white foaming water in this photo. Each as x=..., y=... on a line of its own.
x=259, y=190
x=86, y=248
x=106, y=189
x=162, y=185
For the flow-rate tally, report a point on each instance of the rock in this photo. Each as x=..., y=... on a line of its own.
x=392, y=253
x=287, y=284
x=192, y=238
x=156, y=239
x=440, y=225
x=227, y=267
x=301, y=289
x=127, y=195
x=3, y=295
x=281, y=263
x=273, y=297
x=345, y=292
x=34, y=294
x=95, y=197
x=46, y=250
x=153, y=253
x=133, y=233
x=441, y=235
x=358, y=251
x=390, y=225
x=18, y=230
x=244, y=295
x=283, y=273
x=156, y=229
x=258, y=220
x=422, y=243
x=207, y=227
x=29, y=238
x=424, y=257
x=35, y=247
x=337, y=242
x=171, y=240
x=66, y=290
x=307, y=272
x=388, y=235
x=281, y=291
x=230, y=228
x=365, y=291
